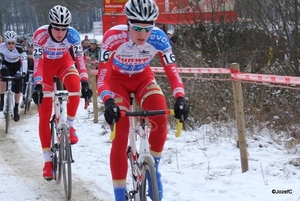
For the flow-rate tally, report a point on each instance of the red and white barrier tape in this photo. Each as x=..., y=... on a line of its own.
x=236, y=75
x=266, y=78
x=196, y=70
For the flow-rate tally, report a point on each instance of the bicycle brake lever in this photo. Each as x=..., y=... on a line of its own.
x=113, y=121
x=86, y=103
x=39, y=99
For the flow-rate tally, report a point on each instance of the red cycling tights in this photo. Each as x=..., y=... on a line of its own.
x=68, y=74
x=150, y=96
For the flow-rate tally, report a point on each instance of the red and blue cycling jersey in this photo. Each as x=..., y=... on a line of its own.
x=46, y=48
x=119, y=54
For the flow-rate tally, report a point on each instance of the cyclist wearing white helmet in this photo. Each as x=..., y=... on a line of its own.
x=14, y=64
x=29, y=42
x=52, y=58
x=124, y=67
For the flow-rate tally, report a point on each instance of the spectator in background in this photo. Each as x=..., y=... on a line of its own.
x=85, y=45
x=86, y=37
x=94, y=50
x=169, y=34
x=174, y=37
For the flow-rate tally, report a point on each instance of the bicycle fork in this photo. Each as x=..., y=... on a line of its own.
x=9, y=97
x=138, y=159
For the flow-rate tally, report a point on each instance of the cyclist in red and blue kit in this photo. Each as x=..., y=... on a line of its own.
x=124, y=68
x=52, y=58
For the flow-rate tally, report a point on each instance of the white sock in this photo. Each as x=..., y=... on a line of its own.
x=47, y=156
x=70, y=121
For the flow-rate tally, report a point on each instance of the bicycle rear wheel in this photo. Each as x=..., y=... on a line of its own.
x=148, y=167
x=7, y=114
x=65, y=151
x=56, y=160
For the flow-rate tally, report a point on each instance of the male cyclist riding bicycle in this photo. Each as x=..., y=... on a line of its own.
x=52, y=58
x=124, y=68
x=14, y=64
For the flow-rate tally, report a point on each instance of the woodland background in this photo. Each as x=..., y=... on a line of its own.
x=265, y=39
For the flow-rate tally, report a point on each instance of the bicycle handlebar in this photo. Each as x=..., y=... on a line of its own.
x=146, y=113
x=48, y=94
x=9, y=77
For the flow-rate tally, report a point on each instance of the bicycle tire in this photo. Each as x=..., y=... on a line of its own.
x=132, y=193
x=55, y=151
x=148, y=166
x=27, y=97
x=8, y=106
x=65, y=150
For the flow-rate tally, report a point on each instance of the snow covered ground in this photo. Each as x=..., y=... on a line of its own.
x=199, y=165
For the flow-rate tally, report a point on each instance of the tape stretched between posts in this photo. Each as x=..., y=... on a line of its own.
x=236, y=75
x=186, y=70
x=266, y=78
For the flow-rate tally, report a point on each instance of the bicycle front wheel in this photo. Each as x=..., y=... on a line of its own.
x=65, y=151
x=148, y=168
x=56, y=159
x=132, y=192
x=27, y=97
x=7, y=110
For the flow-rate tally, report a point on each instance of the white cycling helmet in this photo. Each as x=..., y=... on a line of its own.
x=10, y=36
x=60, y=16
x=141, y=10
x=29, y=41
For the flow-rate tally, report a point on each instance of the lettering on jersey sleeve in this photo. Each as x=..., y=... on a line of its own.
x=37, y=53
x=159, y=39
x=73, y=36
x=104, y=55
x=41, y=35
x=114, y=38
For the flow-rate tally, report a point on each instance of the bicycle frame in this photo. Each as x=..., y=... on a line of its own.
x=8, y=104
x=60, y=99
x=61, y=147
x=140, y=159
x=139, y=156
x=8, y=100
x=28, y=91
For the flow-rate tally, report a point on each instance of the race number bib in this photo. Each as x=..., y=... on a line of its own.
x=169, y=58
x=77, y=50
x=38, y=53
x=104, y=55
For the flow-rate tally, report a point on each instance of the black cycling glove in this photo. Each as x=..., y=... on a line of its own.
x=112, y=111
x=38, y=94
x=86, y=92
x=181, y=109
